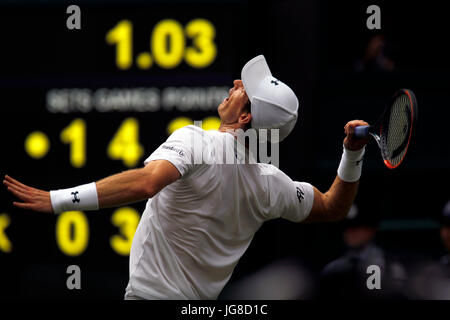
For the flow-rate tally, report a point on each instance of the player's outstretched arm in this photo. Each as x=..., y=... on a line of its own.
x=336, y=202
x=119, y=189
x=136, y=185
x=31, y=198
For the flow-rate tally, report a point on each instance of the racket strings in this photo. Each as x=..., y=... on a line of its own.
x=396, y=135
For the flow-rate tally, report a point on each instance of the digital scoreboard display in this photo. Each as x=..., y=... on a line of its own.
x=81, y=104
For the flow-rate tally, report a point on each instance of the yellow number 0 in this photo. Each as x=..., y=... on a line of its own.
x=168, y=54
x=72, y=246
x=127, y=220
x=202, y=33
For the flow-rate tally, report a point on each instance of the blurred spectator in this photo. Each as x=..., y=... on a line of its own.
x=445, y=236
x=346, y=277
x=432, y=281
x=375, y=58
x=284, y=279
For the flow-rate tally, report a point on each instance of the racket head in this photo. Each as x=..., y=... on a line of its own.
x=397, y=127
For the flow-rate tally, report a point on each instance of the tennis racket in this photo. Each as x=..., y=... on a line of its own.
x=395, y=129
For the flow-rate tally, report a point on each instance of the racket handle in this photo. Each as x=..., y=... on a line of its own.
x=361, y=131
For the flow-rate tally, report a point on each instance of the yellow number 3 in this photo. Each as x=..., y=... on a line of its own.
x=202, y=33
x=127, y=220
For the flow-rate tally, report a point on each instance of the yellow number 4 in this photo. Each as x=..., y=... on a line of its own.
x=125, y=143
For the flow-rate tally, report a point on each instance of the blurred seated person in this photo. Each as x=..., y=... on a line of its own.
x=432, y=281
x=375, y=56
x=445, y=236
x=346, y=277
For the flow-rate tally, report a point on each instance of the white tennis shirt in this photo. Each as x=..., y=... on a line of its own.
x=194, y=231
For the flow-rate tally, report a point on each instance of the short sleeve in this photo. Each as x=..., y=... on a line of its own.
x=179, y=149
x=288, y=199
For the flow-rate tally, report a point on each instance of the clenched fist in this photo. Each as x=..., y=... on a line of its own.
x=350, y=141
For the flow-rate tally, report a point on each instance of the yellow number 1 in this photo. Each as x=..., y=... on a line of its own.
x=75, y=135
x=121, y=36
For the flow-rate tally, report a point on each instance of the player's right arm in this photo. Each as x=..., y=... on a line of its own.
x=334, y=204
x=302, y=202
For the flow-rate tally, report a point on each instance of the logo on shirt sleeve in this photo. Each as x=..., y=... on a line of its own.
x=300, y=194
x=179, y=151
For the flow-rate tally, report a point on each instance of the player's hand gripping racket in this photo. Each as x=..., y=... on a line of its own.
x=395, y=129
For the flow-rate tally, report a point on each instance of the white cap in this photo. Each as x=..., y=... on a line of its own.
x=273, y=104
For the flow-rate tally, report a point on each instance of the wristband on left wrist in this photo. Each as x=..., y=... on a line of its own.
x=83, y=197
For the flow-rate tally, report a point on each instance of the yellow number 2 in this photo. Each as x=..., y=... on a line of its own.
x=125, y=143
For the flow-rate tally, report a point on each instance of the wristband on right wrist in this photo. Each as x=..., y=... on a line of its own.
x=350, y=167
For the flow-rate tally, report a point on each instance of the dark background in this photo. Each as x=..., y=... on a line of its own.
x=310, y=45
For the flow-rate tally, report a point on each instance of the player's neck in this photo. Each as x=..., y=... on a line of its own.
x=230, y=127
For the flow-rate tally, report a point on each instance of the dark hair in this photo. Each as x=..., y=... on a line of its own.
x=248, y=108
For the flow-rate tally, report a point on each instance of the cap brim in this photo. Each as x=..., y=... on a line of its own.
x=253, y=73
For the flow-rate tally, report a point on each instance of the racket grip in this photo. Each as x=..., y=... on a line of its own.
x=361, y=131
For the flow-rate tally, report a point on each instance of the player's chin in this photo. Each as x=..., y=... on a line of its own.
x=222, y=106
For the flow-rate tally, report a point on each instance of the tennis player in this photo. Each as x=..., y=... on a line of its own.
x=202, y=215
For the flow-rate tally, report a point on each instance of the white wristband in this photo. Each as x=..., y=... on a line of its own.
x=351, y=165
x=83, y=197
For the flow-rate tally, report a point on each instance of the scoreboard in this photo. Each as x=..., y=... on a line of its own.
x=81, y=104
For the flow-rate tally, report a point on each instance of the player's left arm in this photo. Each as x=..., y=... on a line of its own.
x=123, y=188
x=136, y=185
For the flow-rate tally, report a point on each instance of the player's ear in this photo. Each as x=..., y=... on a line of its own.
x=245, y=118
